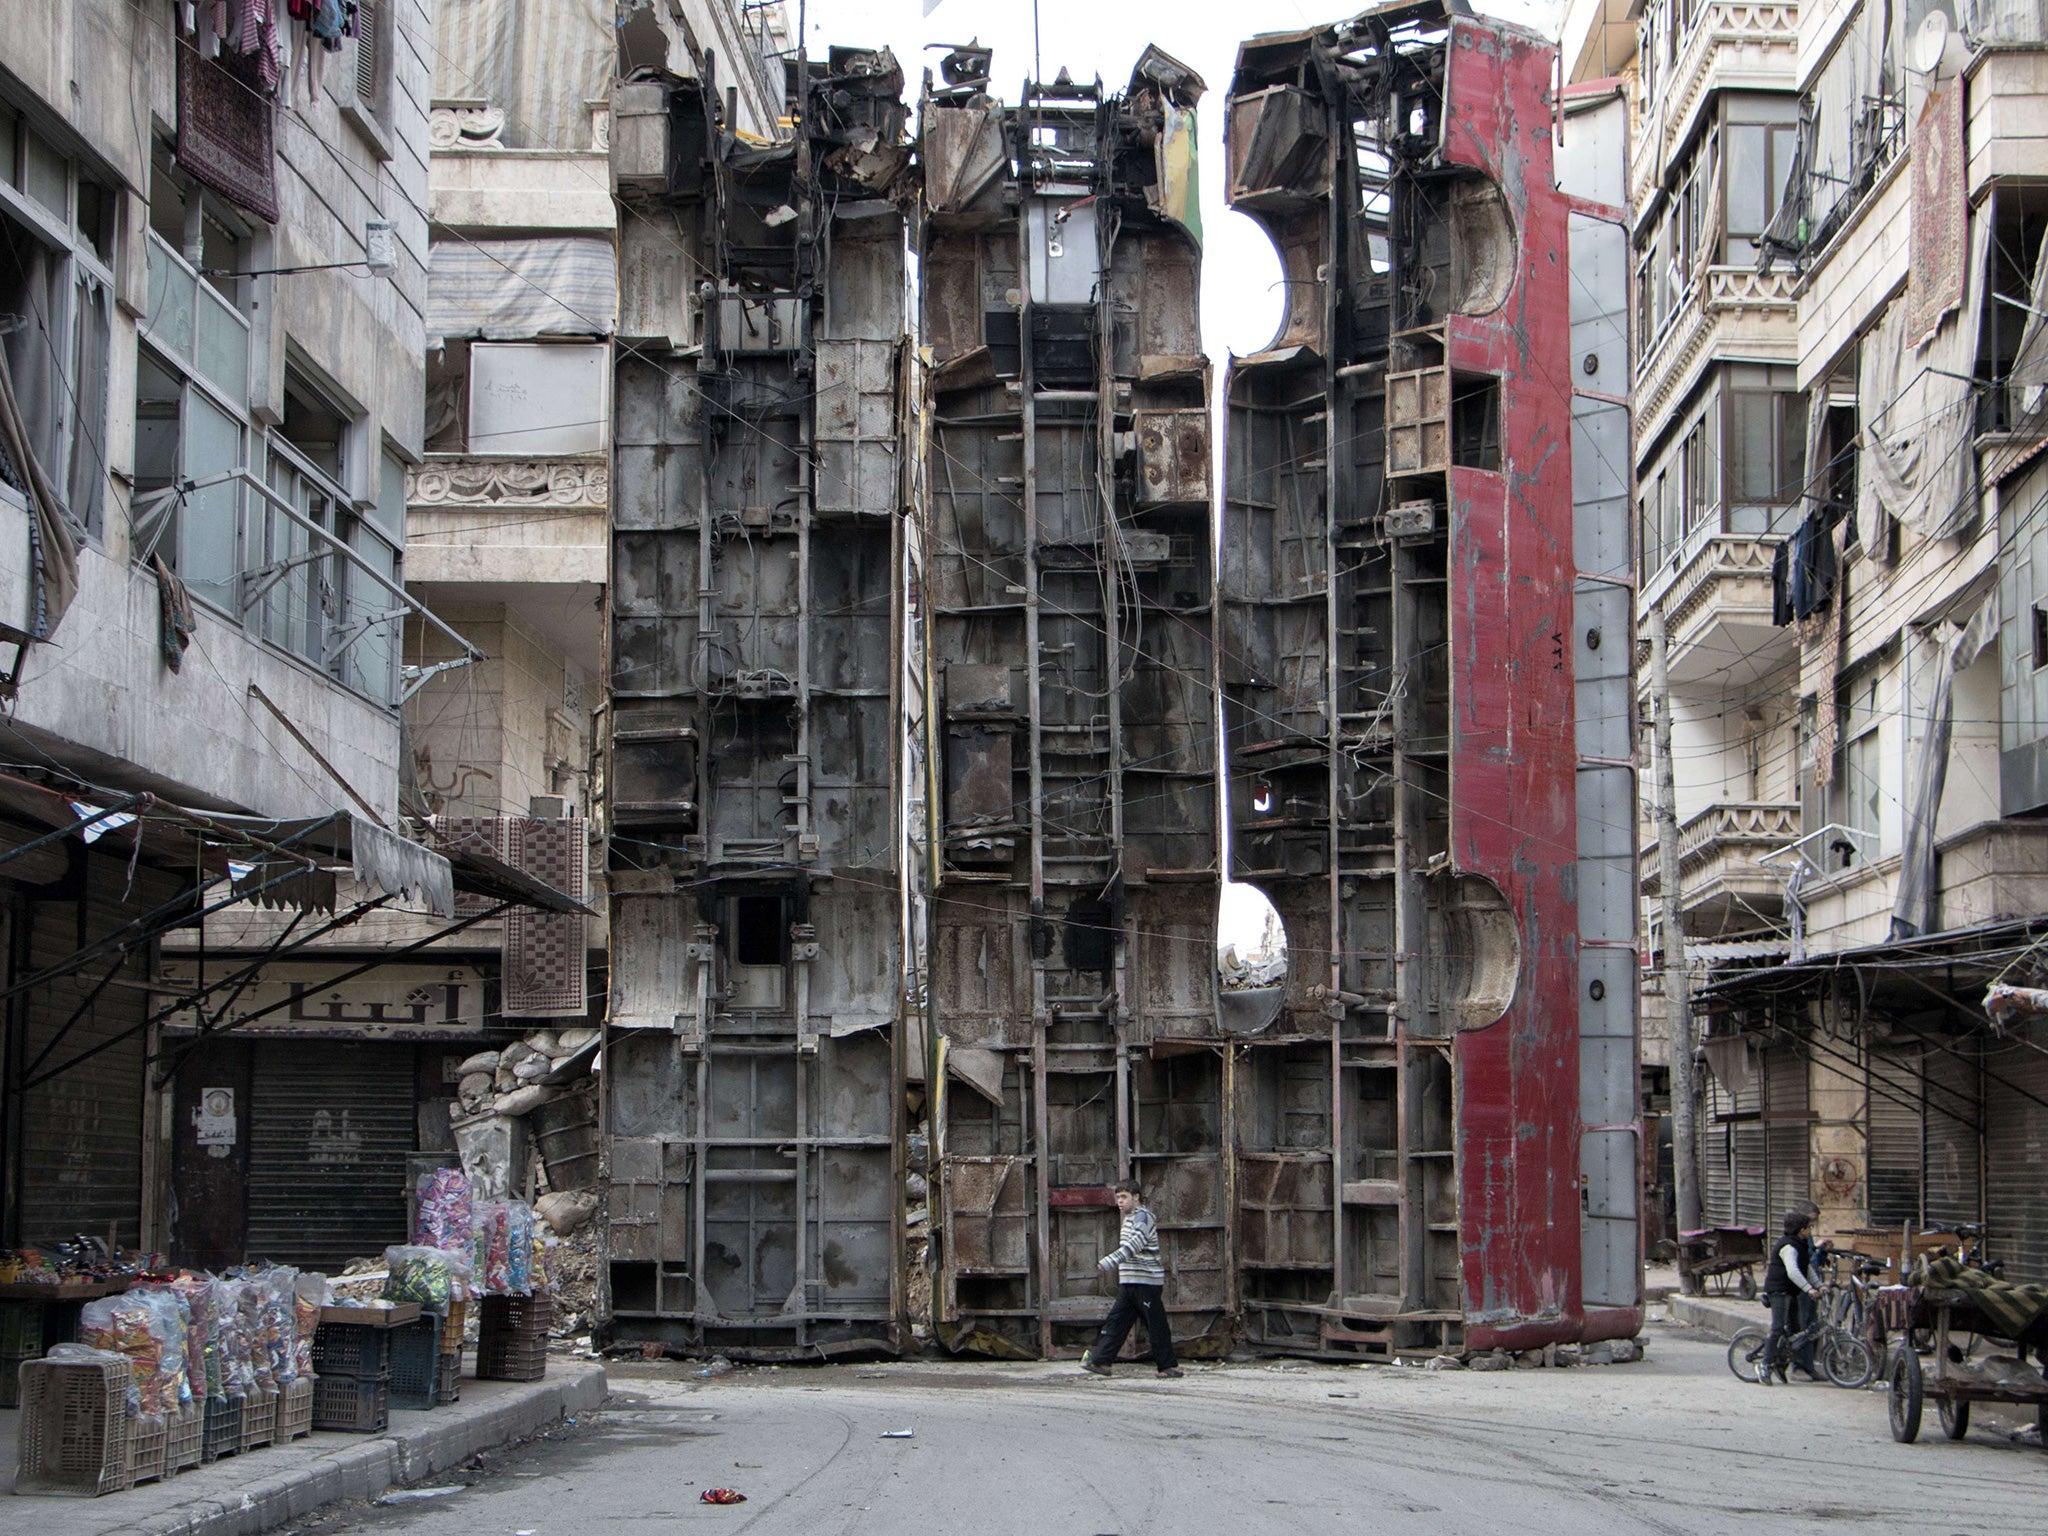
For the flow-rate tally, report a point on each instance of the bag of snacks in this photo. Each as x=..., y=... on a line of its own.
x=444, y=1218
x=433, y=1277
x=309, y=1294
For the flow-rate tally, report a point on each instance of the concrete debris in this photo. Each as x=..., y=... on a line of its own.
x=1444, y=1363
x=1491, y=1360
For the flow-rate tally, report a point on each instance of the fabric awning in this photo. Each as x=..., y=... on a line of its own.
x=516, y=290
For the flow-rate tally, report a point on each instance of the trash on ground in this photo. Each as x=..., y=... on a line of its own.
x=719, y=1366
x=898, y=1434
x=721, y=1496
x=408, y=1495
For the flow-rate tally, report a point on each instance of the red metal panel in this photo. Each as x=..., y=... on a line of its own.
x=1513, y=775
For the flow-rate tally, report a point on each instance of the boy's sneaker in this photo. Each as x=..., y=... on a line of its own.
x=1088, y=1364
x=1170, y=1371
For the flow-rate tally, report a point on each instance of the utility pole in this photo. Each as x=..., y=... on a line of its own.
x=1677, y=985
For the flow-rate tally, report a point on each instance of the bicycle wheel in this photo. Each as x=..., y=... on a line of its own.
x=1846, y=1360
x=1746, y=1354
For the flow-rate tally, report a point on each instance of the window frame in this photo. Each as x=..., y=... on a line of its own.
x=83, y=414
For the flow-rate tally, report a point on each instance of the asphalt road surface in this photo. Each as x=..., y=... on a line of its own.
x=1671, y=1444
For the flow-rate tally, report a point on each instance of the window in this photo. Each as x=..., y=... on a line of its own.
x=56, y=311
x=1860, y=782
x=1766, y=462
x=1760, y=136
x=363, y=89
x=2040, y=617
x=758, y=932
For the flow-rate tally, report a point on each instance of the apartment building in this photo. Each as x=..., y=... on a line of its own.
x=1836, y=311
x=212, y=272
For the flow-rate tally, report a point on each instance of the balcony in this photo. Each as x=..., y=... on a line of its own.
x=1727, y=310
x=1736, y=45
x=1725, y=888
x=1716, y=600
x=476, y=519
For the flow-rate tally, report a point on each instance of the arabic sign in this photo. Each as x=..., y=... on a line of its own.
x=393, y=1002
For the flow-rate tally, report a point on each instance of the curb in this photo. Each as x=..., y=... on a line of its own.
x=333, y=1468
x=1720, y=1318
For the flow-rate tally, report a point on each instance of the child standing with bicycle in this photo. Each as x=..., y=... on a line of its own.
x=1788, y=1286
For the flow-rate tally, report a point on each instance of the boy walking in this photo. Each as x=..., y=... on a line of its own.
x=1141, y=1288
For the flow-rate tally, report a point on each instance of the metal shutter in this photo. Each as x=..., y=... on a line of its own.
x=368, y=43
x=1954, y=1192
x=330, y=1126
x=82, y=1130
x=1752, y=1166
x=2016, y=1148
x=1892, y=1177
x=1716, y=1149
x=1788, y=1137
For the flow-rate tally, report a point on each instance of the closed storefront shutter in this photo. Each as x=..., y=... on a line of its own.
x=330, y=1126
x=1746, y=1132
x=2016, y=1146
x=82, y=1129
x=1788, y=1136
x=1893, y=1174
x=1717, y=1153
x=1954, y=1192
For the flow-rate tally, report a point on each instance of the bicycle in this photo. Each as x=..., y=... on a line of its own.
x=1842, y=1357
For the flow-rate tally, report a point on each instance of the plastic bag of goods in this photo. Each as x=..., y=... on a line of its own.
x=310, y=1293
x=202, y=1350
x=174, y=1323
x=122, y=1325
x=519, y=1225
x=493, y=1248
x=237, y=1355
x=444, y=1216
x=433, y=1277
x=271, y=1324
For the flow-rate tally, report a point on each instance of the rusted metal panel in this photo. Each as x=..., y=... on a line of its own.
x=754, y=750
x=1069, y=571
x=1401, y=707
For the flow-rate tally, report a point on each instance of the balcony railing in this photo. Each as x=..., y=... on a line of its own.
x=1751, y=828
x=1721, y=297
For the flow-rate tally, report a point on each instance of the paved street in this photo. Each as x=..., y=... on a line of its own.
x=1673, y=1444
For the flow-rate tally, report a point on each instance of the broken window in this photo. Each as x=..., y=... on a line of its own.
x=56, y=296
x=1475, y=423
x=759, y=935
x=183, y=433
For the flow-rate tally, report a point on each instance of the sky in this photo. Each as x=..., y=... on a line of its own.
x=1240, y=273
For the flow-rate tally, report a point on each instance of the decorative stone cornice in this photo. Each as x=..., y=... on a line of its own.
x=458, y=125
x=1761, y=32
x=1733, y=832
x=458, y=482
x=1724, y=294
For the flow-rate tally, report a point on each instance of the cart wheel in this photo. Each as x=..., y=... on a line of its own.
x=1955, y=1417
x=1906, y=1391
x=1747, y=1286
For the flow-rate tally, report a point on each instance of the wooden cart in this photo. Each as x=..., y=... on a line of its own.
x=1952, y=1385
x=1722, y=1259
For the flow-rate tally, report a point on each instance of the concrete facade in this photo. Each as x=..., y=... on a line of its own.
x=1852, y=655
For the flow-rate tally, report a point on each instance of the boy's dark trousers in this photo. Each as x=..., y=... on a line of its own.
x=1132, y=1302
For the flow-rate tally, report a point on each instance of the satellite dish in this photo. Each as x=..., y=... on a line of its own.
x=1937, y=49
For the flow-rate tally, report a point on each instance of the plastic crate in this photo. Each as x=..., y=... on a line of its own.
x=148, y=1440
x=415, y=1361
x=74, y=1428
x=453, y=1327
x=223, y=1428
x=295, y=1411
x=185, y=1438
x=259, y=1419
x=352, y=1349
x=351, y=1404
x=448, y=1379
x=11, y=1362
x=506, y=1359
x=517, y=1317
